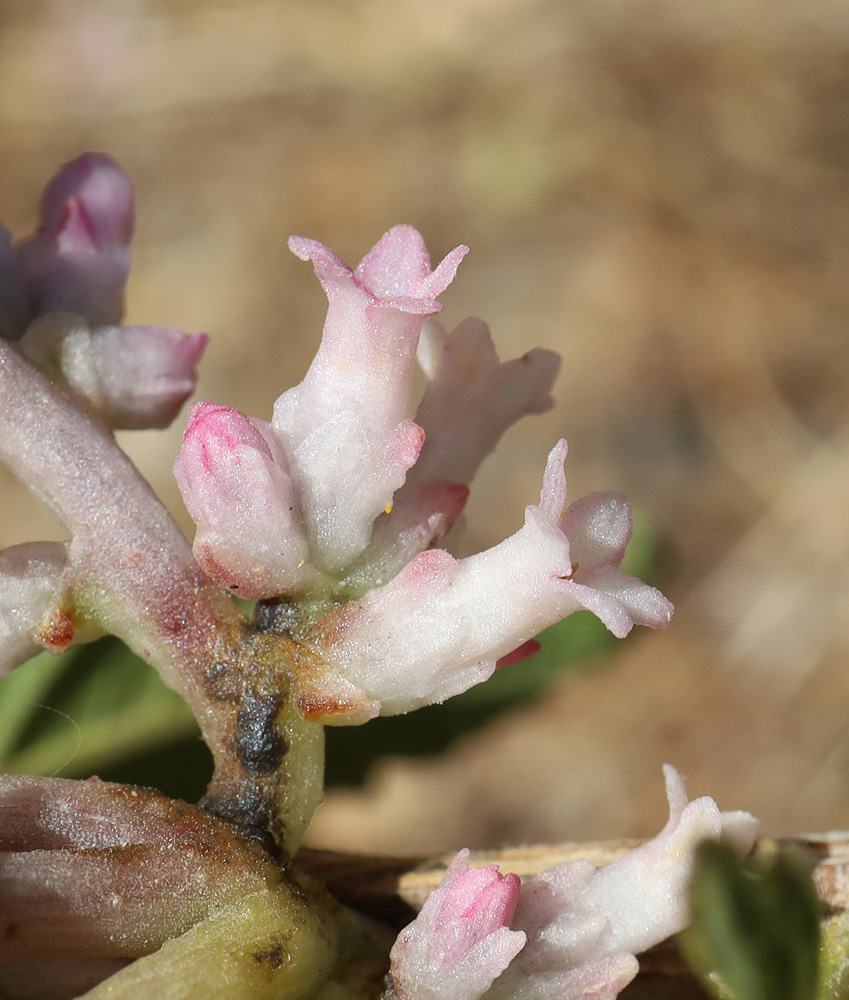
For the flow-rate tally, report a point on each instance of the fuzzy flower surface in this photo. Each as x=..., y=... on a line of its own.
x=460, y=941
x=576, y=929
x=586, y=925
x=343, y=497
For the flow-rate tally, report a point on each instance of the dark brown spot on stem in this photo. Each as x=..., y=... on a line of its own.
x=275, y=617
x=260, y=746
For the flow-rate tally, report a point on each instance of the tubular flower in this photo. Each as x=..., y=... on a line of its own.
x=460, y=941
x=576, y=929
x=345, y=427
x=441, y=624
x=585, y=926
x=472, y=398
x=341, y=497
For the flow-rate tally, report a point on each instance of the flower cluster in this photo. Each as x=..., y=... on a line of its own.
x=329, y=516
x=575, y=929
x=343, y=495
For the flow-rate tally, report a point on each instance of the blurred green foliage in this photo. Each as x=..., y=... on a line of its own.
x=755, y=931
x=99, y=709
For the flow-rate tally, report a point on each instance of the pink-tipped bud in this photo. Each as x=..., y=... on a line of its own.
x=79, y=259
x=233, y=476
x=460, y=941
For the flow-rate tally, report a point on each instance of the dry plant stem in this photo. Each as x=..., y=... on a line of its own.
x=132, y=573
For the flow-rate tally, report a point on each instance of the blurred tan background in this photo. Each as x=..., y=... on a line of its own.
x=659, y=191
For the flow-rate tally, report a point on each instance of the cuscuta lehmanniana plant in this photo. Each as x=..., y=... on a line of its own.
x=329, y=516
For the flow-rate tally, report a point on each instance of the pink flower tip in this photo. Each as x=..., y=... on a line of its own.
x=90, y=199
x=461, y=940
x=482, y=897
x=398, y=267
x=396, y=271
x=214, y=429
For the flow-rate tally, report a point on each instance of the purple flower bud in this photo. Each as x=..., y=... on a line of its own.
x=98, y=192
x=79, y=259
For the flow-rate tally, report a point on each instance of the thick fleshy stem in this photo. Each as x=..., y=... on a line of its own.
x=271, y=783
x=132, y=572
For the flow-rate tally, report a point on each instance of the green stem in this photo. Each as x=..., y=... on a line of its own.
x=276, y=944
x=271, y=780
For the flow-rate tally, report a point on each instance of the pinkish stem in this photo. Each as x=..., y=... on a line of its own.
x=132, y=572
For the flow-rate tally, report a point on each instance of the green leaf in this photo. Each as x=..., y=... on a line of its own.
x=85, y=712
x=754, y=933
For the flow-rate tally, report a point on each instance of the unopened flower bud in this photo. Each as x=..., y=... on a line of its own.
x=461, y=939
x=233, y=475
x=132, y=377
x=79, y=259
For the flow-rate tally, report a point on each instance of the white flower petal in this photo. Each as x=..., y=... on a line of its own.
x=345, y=427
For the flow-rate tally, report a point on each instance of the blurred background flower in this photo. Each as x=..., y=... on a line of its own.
x=658, y=191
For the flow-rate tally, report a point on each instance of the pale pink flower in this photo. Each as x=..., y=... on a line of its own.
x=472, y=398
x=79, y=259
x=460, y=941
x=586, y=925
x=441, y=624
x=345, y=428
x=233, y=474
